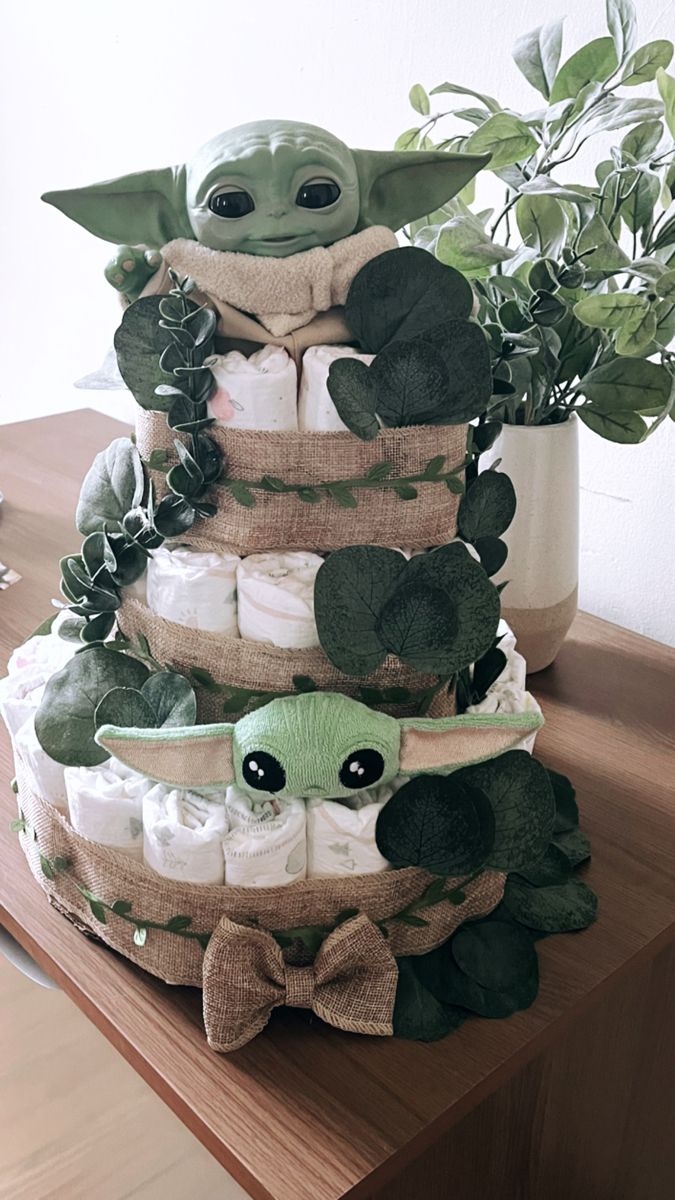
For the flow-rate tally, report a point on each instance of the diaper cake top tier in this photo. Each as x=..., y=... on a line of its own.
x=287, y=754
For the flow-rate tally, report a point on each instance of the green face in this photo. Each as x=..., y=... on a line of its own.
x=342, y=748
x=272, y=188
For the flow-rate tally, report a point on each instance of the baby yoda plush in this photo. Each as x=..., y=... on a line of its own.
x=315, y=744
x=268, y=188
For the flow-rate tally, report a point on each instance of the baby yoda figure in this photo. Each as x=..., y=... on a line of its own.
x=281, y=191
x=317, y=744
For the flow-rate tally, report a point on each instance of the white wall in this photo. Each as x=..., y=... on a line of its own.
x=96, y=88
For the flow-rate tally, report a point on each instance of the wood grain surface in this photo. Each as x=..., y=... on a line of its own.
x=305, y=1112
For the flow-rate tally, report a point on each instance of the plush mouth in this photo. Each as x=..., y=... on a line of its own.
x=280, y=240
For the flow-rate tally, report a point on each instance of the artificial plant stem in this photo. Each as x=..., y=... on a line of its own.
x=359, y=483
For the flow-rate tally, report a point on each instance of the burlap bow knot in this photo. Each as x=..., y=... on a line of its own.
x=351, y=984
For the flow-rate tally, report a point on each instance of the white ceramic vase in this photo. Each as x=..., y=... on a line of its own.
x=542, y=567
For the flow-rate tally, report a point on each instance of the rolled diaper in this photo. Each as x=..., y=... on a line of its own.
x=194, y=588
x=183, y=835
x=106, y=805
x=46, y=775
x=244, y=810
x=341, y=839
x=48, y=652
x=269, y=852
x=20, y=695
x=259, y=392
x=276, y=598
x=316, y=410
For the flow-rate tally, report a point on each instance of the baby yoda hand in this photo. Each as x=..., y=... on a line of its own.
x=130, y=270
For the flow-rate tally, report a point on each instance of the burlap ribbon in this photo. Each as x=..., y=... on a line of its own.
x=351, y=984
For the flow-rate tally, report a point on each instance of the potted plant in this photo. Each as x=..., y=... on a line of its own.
x=575, y=282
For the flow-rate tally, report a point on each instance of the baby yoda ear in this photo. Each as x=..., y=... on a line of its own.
x=398, y=186
x=146, y=208
x=189, y=756
x=431, y=745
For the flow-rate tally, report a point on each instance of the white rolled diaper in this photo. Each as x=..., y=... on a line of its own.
x=276, y=598
x=259, y=392
x=316, y=410
x=243, y=809
x=47, y=652
x=341, y=839
x=106, y=805
x=183, y=835
x=46, y=775
x=20, y=695
x=269, y=852
x=195, y=588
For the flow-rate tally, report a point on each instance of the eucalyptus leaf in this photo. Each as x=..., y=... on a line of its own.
x=354, y=394
x=126, y=707
x=65, y=720
x=488, y=506
x=173, y=516
x=351, y=589
x=418, y=1015
x=566, y=808
x=552, y=868
x=411, y=383
x=494, y=954
x=449, y=984
x=574, y=845
x=402, y=293
x=560, y=908
x=112, y=486
x=472, y=602
x=418, y=625
x=437, y=824
x=464, y=349
x=171, y=698
x=139, y=342
x=522, y=801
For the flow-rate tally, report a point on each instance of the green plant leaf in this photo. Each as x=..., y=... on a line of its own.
x=626, y=385
x=488, y=506
x=620, y=426
x=494, y=954
x=45, y=626
x=552, y=868
x=638, y=208
x=65, y=720
x=173, y=516
x=566, y=808
x=557, y=909
x=622, y=25
x=537, y=55
x=419, y=99
x=417, y=625
x=595, y=61
x=401, y=294
x=641, y=141
x=440, y=974
x=522, y=801
x=645, y=64
x=598, y=248
x=665, y=286
x=171, y=699
x=574, y=845
x=435, y=823
x=505, y=137
x=121, y=908
x=126, y=707
x=462, y=243
x=97, y=629
x=666, y=86
x=492, y=552
x=465, y=351
x=113, y=485
x=542, y=223
x=612, y=311
x=418, y=1015
x=472, y=602
x=455, y=89
x=139, y=342
x=411, y=384
x=353, y=392
x=351, y=589
x=637, y=335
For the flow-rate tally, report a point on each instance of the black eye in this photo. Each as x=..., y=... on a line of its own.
x=362, y=769
x=262, y=772
x=231, y=203
x=317, y=193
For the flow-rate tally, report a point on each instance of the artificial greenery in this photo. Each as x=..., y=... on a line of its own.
x=103, y=685
x=432, y=364
x=576, y=280
x=437, y=613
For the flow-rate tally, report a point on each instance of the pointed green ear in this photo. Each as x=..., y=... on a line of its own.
x=187, y=756
x=146, y=208
x=398, y=186
x=431, y=745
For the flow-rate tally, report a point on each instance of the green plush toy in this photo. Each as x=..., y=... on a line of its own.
x=269, y=188
x=317, y=744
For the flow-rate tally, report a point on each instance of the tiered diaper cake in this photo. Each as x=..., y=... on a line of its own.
x=277, y=744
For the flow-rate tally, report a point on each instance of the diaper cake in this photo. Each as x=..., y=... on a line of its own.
x=275, y=741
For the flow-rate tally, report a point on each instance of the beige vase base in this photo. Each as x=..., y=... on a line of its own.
x=540, y=632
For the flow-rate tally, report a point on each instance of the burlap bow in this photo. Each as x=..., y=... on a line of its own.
x=351, y=984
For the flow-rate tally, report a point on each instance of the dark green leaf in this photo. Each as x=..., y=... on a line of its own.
x=488, y=506
x=418, y=1015
x=418, y=626
x=494, y=954
x=626, y=385
x=438, y=824
x=121, y=907
x=566, y=808
x=558, y=909
x=97, y=629
x=521, y=796
x=113, y=485
x=552, y=868
x=173, y=516
x=178, y=923
x=493, y=553
x=464, y=349
x=65, y=721
x=406, y=491
x=139, y=343
x=241, y=494
x=486, y=672
x=574, y=845
x=351, y=589
x=125, y=707
x=620, y=426
x=472, y=601
x=46, y=867
x=171, y=698
x=440, y=974
x=382, y=469
x=401, y=294
x=411, y=385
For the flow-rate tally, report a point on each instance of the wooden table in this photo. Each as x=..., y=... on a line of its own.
x=572, y=1099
